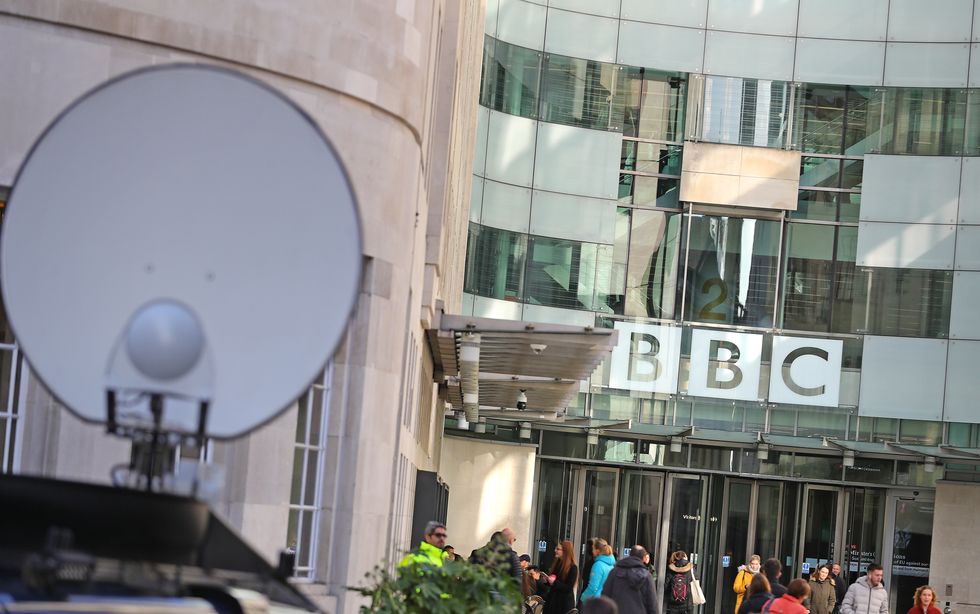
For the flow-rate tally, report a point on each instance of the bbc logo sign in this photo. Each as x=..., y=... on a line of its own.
x=727, y=364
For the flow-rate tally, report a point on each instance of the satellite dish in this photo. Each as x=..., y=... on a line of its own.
x=181, y=231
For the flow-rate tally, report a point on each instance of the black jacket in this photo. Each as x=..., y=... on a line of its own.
x=500, y=557
x=561, y=598
x=753, y=605
x=778, y=590
x=630, y=585
x=840, y=588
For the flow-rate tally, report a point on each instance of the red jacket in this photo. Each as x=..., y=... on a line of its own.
x=786, y=605
x=932, y=610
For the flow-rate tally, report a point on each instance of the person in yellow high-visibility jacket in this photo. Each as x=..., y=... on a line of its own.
x=430, y=551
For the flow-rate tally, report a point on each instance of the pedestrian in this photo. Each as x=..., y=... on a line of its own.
x=792, y=601
x=866, y=595
x=774, y=570
x=537, y=582
x=757, y=595
x=449, y=554
x=630, y=585
x=525, y=560
x=744, y=578
x=516, y=569
x=601, y=566
x=562, y=580
x=600, y=605
x=587, y=560
x=840, y=586
x=925, y=601
x=823, y=598
x=677, y=584
x=497, y=555
x=430, y=550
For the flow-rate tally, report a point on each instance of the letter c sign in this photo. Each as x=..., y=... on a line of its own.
x=805, y=371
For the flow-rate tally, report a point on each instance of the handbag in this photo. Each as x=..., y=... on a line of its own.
x=697, y=595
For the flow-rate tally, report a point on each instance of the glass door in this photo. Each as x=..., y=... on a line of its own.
x=819, y=535
x=639, y=511
x=908, y=522
x=685, y=521
x=597, y=490
x=736, y=538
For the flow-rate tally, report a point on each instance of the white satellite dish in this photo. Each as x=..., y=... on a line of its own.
x=185, y=232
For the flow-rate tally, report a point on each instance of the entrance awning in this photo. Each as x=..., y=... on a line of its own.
x=498, y=364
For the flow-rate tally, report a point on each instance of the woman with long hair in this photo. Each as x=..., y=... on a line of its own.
x=757, y=595
x=823, y=591
x=744, y=578
x=563, y=578
x=925, y=601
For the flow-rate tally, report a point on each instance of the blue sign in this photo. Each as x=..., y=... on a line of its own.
x=542, y=546
x=806, y=568
x=626, y=551
x=726, y=561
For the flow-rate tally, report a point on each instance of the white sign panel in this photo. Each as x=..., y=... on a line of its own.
x=725, y=365
x=646, y=358
x=805, y=371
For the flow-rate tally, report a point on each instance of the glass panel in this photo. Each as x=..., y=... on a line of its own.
x=789, y=528
x=870, y=470
x=615, y=298
x=653, y=411
x=924, y=121
x=921, y=432
x=821, y=422
x=849, y=207
x=745, y=111
x=297, y=482
x=819, y=527
x=817, y=467
x=820, y=172
x=613, y=450
x=581, y=92
x=718, y=415
x=884, y=429
x=639, y=521
x=717, y=459
x=915, y=474
x=572, y=445
x=731, y=270
x=654, y=104
x=912, y=549
x=964, y=435
x=615, y=405
x=782, y=421
x=807, y=296
x=972, y=145
x=649, y=191
x=511, y=78
x=600, y=498
x=778, y=463
x=561, y=273
x=653, y=158
x=303, y=546
x=495, y=263
x=902, y=302
x=292, y=527
x=651, y=272
x=553, y=503
x=736, y=539
x=309, y=492
x=816, y=205
x=685, y=515
x=867, y=515
x=863, y=108
x=852, y=174
x=302, y=406
x=820, y=113
x=766, y=520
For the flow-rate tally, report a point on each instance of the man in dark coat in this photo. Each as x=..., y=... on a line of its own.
x=773, y=570
x=631, y=586
x=498, y=556
x=840, y=586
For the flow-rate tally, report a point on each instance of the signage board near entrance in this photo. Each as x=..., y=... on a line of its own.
x=726, y=561
x=542, y=546
x=727, y=364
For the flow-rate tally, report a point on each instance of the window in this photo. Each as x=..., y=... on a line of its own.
x=818, y=278
x=902, y=302
x=581, y=93
x=495, y=263
x=741, y=111
x=306, y=491
x=511, y=78
x=923, y=122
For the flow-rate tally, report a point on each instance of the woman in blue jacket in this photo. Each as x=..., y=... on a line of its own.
x=604, y=562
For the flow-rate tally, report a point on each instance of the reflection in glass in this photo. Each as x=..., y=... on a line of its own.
x=819, y=277
x=745, y=111
x=647, y=191
x=651, y=157
x=731, y=270
x=736, y=538
x=902, y=302
x=816, y=205
x=871, y=470
x=819, y=527
x=561, y=273
x=654, y=104
x=495, y=263
x=923, y=121
x=685, y=514
x=821, y=422
x=767, y=514
x=511, y=76
x=833, y=119
x=639, y=521
x=581, y=93
x=651, y=272
x=553, y=506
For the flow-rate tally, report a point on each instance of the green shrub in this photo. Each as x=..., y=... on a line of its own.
x=454, y=588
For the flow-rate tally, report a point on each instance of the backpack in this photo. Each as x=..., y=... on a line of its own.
x=678, y=588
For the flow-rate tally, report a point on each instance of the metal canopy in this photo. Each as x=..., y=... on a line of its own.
x=508, y=363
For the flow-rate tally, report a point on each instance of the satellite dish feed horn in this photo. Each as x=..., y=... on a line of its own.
x=183, y=234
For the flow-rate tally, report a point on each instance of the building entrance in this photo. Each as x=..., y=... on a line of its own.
x=721, y=520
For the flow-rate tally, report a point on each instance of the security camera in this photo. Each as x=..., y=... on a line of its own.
x=522, y=401
x=538, y=348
